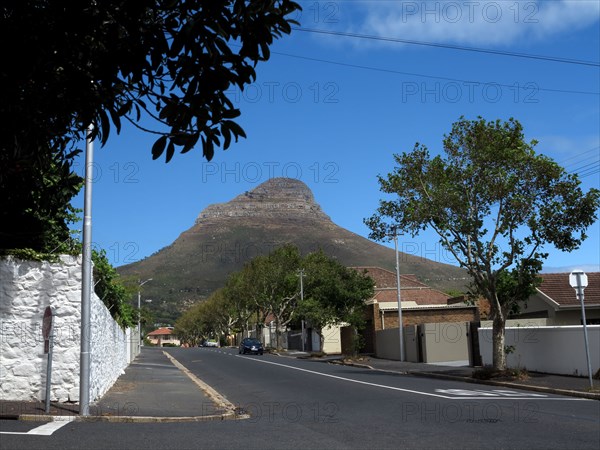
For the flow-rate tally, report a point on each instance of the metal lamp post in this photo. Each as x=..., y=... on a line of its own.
x=139, y=314
x=86, y=280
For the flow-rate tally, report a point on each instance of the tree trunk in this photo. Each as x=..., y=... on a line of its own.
x=321, y=340
x=498, y=353
x=277, y=334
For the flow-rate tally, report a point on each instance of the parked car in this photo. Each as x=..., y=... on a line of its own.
x=211, y=343
x=251, y=345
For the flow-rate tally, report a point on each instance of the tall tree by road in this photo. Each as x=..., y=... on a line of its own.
x=275, y=282
x=333, y=293
x=495, y=204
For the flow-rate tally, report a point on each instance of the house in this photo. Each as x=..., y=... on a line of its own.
x=556, y=301
x=162, y=336
x=420, y=304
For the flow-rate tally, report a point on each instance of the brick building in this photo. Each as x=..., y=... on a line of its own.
x=420, y=304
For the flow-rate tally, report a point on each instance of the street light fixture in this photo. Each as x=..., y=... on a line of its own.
x=139, y=313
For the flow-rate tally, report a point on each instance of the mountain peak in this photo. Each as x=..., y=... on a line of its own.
x=275, y=198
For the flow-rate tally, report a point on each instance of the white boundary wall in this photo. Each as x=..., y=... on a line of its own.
x=26, y=289
x=558, y=350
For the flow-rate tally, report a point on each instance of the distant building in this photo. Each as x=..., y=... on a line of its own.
x=555, y=301
x=162, y=336
x=420, y=304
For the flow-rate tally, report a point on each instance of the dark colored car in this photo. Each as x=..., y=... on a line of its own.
x=251, y=345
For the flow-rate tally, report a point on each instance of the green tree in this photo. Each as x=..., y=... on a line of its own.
x=36, y=194
x=108, y=286
x=333, y=293
x=495, y=204
x=164, y=66
x=190, y=326
x=275, y=285
x=236, y=291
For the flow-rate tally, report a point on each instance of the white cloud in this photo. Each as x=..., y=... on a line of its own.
x=568, y=269
x=476, y=22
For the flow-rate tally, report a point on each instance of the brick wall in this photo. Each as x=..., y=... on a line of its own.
x=416, y=317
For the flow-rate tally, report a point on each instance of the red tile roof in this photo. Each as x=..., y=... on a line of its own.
x=161, y=332
x=419, y=296
x=556, y=286
x=411, y=289
x=387, y=279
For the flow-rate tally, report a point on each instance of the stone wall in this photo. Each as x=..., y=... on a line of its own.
x=26, y=289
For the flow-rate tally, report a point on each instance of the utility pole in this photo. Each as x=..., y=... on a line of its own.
x=301, y=274
x=400, y=328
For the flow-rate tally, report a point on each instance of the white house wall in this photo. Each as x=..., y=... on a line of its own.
x=557, y=349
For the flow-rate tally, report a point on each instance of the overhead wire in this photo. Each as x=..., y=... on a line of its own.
x=526, y=86
x=587, y=169
x=450, y=46
x=583, y=171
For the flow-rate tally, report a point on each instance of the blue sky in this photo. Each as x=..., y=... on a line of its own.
x=331, y=111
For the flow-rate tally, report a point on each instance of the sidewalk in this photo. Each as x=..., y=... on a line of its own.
x=152, y=389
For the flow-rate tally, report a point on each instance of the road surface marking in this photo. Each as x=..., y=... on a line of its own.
x=44, y=430
x=430, y=394
x=492, y=393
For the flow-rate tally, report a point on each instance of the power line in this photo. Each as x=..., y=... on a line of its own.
x=592, y=158
x=526, y=86
x=450, y=46
x=588, y=169
x=579, y=154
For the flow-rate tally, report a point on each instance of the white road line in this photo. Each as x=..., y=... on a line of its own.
x=524, y=397
x=43, y=430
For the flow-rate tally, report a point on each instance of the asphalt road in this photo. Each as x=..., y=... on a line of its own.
x=306, y=404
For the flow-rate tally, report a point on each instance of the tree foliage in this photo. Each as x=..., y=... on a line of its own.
x=110, y=289
x=333, y=293
x=162, y=65
x=274, y=284
x=495, y=204
x=106, y=61
x=269, y=285
x=215, y=316
x=36, y=195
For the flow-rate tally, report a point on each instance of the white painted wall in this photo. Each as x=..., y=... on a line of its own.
x=26, y=289
x=332, y=340
x=559, y=350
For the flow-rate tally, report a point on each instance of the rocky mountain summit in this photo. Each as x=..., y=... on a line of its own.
x=277, y=198
x=277, y=212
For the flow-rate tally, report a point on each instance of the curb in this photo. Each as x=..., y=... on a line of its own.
x=130, y=419
x=547, y=390
x=528, y=387
x=218, y=399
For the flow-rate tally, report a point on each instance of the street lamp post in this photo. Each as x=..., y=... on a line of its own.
x=86, y=281
x=140, y=313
